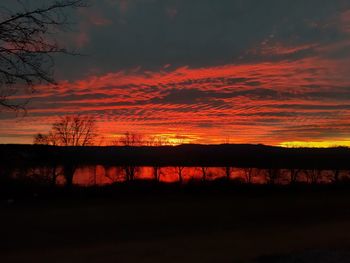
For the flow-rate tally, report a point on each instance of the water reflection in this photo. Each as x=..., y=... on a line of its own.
x=90, y=175
x=105, y=175
x=101, y=175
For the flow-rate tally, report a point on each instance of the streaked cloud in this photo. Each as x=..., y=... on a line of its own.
x=252, y=71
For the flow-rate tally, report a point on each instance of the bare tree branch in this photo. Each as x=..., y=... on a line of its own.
x=70, y=131
x=27, y=44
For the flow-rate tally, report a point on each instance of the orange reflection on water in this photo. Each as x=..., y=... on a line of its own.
x=102, y=175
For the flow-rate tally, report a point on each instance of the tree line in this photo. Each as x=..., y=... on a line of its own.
x=82, y=130
x=52, y=166
x=63, y=175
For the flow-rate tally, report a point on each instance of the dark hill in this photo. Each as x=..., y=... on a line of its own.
x=237, y=155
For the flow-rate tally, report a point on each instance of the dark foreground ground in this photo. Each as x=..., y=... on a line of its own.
x=269, y=226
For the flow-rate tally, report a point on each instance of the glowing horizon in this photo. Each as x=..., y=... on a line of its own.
x=211, y=81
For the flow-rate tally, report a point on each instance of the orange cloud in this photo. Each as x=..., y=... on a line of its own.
x=268, y=103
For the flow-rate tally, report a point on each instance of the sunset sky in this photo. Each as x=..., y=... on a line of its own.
x=275, y=72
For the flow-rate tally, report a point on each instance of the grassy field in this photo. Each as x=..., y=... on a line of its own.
x=175, y=227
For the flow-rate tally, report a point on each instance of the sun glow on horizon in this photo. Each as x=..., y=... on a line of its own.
x=315, y=144
x=173, y=139
x=158, y=139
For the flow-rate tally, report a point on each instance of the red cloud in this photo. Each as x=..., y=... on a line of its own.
x=275, y=102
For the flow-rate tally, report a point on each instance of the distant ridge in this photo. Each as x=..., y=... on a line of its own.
x=237, y=155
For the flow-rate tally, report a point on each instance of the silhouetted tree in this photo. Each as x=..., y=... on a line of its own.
x=204, y=171
x=335, y=178
x=157, y=141
x=54, y=172
x=130, y=172
x=272, y=175
x=249, y=174
x=46, y=174
x=179, y=170
x=49, y=139
x=157, y=173
x=228, y=170
x=131, y=139
x=77, y=130
x=46, y=139
x=313, y=176
x=27, y=45
x=294, y=175
x=93, y=175
x=118, y=174
x=68, y=172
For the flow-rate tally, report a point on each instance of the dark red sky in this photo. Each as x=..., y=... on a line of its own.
x=252, y=71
